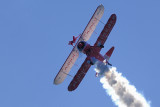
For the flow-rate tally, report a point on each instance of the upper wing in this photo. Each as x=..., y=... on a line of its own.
x=93, y=23
x=106, y=31
x=79, y=76
x=67, y=66
x=75, y=53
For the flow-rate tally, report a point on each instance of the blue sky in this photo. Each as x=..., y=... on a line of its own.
x=34, y=37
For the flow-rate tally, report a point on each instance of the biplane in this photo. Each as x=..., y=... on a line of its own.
x=92, y=52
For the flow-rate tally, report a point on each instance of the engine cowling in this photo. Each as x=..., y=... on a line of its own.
x=83, y=46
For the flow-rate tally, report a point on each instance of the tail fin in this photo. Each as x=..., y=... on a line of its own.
x=109, y=53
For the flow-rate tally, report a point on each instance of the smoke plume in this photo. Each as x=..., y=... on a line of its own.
x=123, y=94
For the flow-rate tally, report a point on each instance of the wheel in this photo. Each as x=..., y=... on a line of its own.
x=91, y=63
x=101, y=46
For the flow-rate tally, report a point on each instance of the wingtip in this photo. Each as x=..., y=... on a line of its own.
x=70, y=89
x=55, y=81
x=113, y=47
x=101, y=6
x=114, y=15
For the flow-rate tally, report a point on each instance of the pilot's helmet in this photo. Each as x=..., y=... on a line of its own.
x=81, y=45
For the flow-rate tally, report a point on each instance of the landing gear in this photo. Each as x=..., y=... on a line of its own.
x=91, y=63
x=96, y=74
x=109, y=64
x=91, y=60
x=102, y=46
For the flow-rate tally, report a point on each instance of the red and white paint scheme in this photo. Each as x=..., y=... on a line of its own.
x=92, y=52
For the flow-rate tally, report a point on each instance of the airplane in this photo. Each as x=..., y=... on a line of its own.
x=93, y=56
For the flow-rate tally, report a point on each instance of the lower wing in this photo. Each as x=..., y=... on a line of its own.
x=79, y=76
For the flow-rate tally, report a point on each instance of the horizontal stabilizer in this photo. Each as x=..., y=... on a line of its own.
x=109, y=53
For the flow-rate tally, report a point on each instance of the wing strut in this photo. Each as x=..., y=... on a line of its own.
x=100, y=21
x=68, y=74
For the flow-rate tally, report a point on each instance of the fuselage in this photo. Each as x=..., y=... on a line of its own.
x=90, y=51
x=94, y=57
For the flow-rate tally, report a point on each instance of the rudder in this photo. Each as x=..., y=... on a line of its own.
x=109, y=53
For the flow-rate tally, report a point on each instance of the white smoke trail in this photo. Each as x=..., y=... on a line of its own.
x=122, y=93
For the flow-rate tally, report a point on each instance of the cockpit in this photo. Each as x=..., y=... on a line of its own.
x=81, y=45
